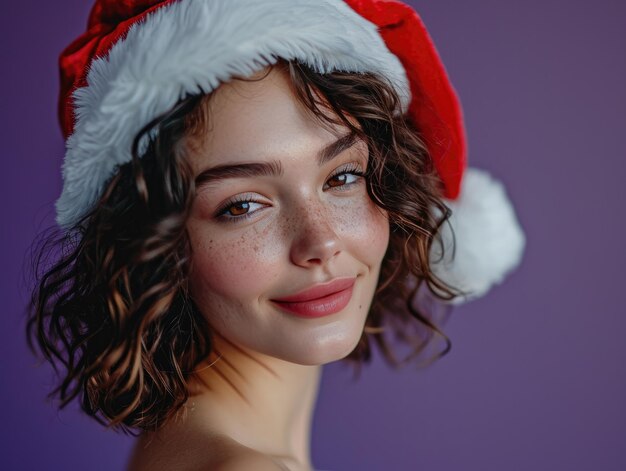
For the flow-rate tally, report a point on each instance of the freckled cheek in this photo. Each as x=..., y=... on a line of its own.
x=240, y=267
x=366, y=226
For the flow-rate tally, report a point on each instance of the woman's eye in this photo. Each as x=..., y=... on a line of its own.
x=244, y=206
x=237, y=210
x=345, y=178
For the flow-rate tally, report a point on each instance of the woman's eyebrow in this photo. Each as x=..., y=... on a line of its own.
x=272, y=168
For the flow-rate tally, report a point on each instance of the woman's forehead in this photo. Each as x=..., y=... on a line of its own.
x=248, y=120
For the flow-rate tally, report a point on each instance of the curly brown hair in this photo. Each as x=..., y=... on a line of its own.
x=114, y=310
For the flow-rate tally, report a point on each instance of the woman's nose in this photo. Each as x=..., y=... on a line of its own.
x=315, y=239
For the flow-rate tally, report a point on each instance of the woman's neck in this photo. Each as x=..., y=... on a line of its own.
x=260, y=401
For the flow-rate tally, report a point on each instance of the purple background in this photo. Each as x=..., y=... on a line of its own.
x=535, y=379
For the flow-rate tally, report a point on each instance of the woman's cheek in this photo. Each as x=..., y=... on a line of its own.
x=378, y=220
x=234, y=266
x=367, y=227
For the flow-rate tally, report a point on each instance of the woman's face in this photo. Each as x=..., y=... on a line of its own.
x=273, y=217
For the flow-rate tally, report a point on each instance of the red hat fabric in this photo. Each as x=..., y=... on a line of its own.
x=109, y=21
x=434, y=108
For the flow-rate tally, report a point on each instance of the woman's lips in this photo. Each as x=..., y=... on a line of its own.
x=320, y=300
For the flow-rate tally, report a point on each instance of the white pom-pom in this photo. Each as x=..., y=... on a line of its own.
x=489, y=241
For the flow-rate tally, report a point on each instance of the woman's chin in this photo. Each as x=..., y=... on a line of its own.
x=322, y=353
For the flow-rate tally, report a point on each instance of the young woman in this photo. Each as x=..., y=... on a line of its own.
x=252, y=190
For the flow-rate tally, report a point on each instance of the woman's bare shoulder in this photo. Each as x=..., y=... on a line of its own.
x=232, y=456
x=194, y=452
x=246, y=461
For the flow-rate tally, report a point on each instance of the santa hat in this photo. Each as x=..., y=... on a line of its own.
x=138, y=58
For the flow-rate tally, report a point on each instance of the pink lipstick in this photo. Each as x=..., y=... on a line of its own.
x=319, y=300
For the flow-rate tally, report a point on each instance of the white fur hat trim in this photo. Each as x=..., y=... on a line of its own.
x=489, y=241
x=189, y=47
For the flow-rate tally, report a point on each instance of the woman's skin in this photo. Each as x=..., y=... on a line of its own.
x=298, y=223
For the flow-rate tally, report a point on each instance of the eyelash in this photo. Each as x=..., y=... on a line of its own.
x=221, y=214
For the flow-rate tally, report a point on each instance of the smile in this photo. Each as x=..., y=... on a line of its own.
x=304, y=305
